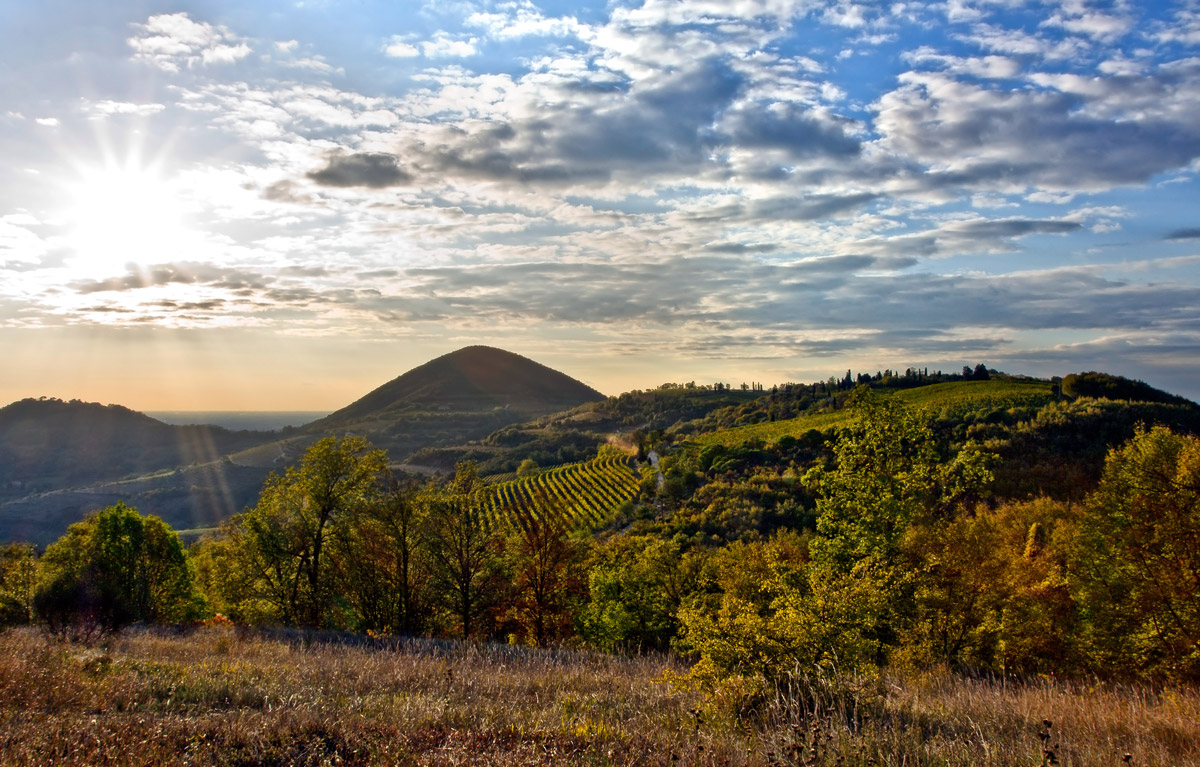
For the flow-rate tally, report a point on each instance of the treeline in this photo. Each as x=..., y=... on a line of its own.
x=884, y=545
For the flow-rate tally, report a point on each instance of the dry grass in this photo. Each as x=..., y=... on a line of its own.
x=216, y=697
x=943, y=719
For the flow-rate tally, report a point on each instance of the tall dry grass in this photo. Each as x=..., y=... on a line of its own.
x=218, y=697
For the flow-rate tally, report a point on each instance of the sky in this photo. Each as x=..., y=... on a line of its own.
x=270, y=205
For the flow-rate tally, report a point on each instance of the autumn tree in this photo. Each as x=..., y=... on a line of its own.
x=18, y=579
x=382, y=560
x=547, y=570
x=284, y=541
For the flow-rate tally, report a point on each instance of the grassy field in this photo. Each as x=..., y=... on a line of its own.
x=220, y=697
x=952, y=399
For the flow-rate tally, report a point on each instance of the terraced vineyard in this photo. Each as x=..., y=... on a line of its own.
x=953, y=399
x=581, y=494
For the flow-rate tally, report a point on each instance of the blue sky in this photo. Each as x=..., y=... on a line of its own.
x=278, y=205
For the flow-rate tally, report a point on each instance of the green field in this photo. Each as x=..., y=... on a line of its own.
x=945, y=400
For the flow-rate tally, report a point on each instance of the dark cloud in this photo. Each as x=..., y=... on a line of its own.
x=1191, y=233
x=790, y=127
x=976, y=137
x=285, y=191
x=740, y=247
x=374, y=170
x=676, y=122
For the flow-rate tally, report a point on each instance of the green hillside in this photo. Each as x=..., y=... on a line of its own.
x=944, y=401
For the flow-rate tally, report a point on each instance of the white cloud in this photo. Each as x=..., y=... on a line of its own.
x=399, y=49
x=1075, y=17
x=991, y=67
x=1017, y=42
x=522, y=19
x=49, y=122
x=169, y=41
x=446, y=46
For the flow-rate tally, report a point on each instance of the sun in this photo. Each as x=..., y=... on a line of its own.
x=122, y=215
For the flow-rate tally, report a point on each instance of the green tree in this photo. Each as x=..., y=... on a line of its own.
x=636, y=586
x=527, y=468
x=114, y=568
x=1138, y=556
x=18, y=579
x=888, y=474
x=464, y=554
x=284, y=541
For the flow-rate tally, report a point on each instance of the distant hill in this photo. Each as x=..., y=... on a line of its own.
x=48, y=443
x=60, y=460
x=473, y=378
x=455, y=399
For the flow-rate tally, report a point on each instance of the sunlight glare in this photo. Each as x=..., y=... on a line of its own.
x=124, y=215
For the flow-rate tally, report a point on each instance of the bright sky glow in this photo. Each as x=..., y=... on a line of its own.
x=279, y=205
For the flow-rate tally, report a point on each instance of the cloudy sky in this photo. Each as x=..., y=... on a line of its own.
x=280, y=205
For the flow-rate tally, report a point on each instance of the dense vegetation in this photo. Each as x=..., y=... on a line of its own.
x=977, y=528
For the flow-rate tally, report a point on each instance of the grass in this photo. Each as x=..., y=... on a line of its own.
x=218, y=696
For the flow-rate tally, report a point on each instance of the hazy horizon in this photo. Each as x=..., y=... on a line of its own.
x=270, y=205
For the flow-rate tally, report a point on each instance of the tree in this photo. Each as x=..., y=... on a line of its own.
x=382, y=561
x=548, y=578
x=18, y=579
x=114, y=568
x=1138, y=556
x=527, y=468
x=888, y=474
x=283, y=542
x=636, y=586
x=463, y=553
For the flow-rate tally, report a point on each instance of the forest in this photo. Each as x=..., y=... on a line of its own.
x=1050, y=536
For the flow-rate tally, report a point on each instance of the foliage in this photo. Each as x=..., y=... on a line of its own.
x=947, y=401
x=115, y=568
x=18, y=579
x=381, y=563
x=465, y=555
x=548, y=580
x=1138, y=555
x=282, y=543
x=637, y=585
x=1107, y=386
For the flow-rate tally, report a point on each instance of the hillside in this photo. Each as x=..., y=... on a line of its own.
x=46, y=444
x=471, y=379
x=459, y=397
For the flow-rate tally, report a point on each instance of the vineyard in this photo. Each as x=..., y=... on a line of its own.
x=946, y=400
x=576, y=494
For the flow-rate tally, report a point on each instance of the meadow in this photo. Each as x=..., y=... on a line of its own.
x=219, y=695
